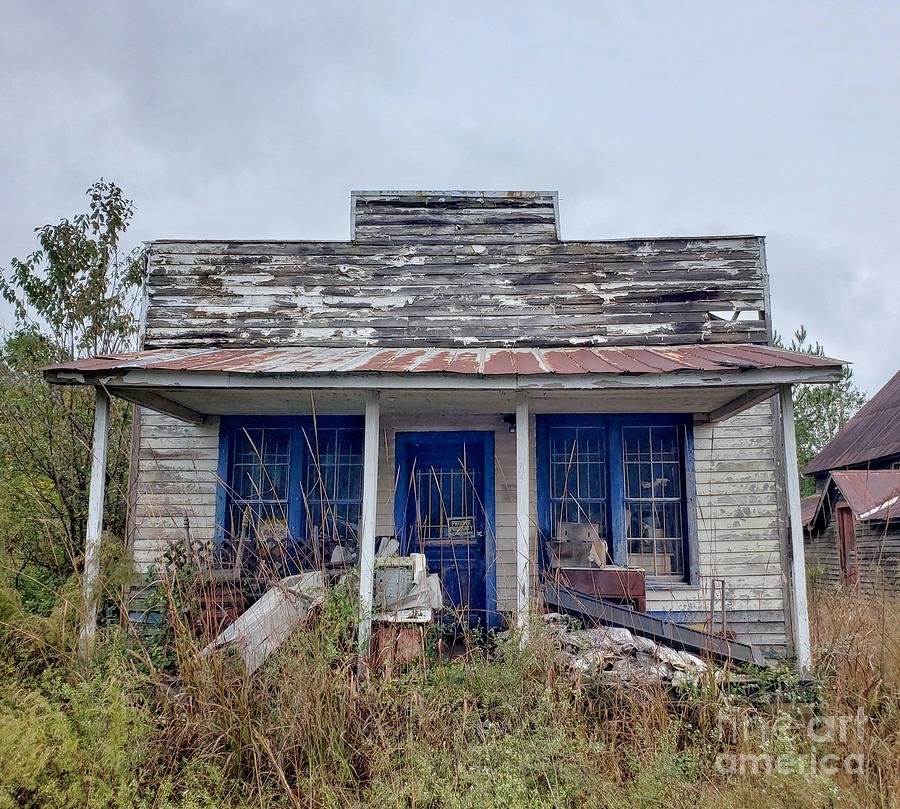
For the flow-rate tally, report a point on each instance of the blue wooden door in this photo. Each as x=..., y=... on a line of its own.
x=446, y=515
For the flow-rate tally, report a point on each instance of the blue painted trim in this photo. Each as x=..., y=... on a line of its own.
x=490, y=541
x=690, y=515
x=615, y=464
x=542, y=480
x=228, y=425
x=296, y=506
x=402, y=444
x=222, y=483
x=614, y=424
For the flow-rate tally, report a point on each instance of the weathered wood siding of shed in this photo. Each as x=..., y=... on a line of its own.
x=739, y=533
x=455, y=292
x=878, y=550
x=877, y=553
x=822, y=563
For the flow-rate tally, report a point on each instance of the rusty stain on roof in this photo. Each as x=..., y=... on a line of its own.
x=472, y=361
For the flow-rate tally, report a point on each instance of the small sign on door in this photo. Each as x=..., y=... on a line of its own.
x=461, y=527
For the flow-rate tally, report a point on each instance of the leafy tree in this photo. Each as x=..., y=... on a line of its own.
x=820, y=411
x=74, y=296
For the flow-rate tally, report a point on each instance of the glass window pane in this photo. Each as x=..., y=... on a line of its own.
x=332, y=478
x=578, y=476
x=654, y=516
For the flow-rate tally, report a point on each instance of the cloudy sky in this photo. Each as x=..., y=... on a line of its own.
x=255, y=119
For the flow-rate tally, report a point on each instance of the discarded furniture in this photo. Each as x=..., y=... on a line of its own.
x=621, y=585
x=221, y=603
x=265, y=626
x=577, y=544
x=404, y=592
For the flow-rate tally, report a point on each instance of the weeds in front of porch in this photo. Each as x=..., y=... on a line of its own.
x=499, y=726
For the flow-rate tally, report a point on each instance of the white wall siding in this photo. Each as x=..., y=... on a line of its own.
x=176, y=477
x=739, y=526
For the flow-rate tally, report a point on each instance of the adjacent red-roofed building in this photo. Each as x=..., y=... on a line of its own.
x=853, y=536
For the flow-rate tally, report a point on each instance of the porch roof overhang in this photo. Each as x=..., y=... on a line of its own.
x=712, y=381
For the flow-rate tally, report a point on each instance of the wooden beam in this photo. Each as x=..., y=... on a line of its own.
x=523, y=545
x=738, y=405
x=161, y=404
x=367, y=522
x=94, y=533
x=798, y=557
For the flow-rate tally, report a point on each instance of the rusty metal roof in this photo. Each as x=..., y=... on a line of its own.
x=474, y=361
x=871, y=494
x=809, y=506
x=874, y=432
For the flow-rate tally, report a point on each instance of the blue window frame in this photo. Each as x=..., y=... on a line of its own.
x=630, y=476
x=579, y=485
x=290, y=489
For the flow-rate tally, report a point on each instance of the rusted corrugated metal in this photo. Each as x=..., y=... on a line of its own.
x=480, y=361
x=873, y=433
x=871, y=495
x=808, y=508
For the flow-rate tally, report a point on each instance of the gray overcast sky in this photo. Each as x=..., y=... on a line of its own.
x=240, y=119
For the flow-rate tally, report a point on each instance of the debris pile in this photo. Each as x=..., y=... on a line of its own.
x=618, y=655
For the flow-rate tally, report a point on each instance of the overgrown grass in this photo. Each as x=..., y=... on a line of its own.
x=500, y=726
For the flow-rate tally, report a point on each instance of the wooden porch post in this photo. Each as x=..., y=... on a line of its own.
x=94, y=523
x=367, y=526
x=523, y=546
x=798, y=556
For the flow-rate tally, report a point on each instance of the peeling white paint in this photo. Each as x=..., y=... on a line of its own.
x=631, y=329
x=350, y=271
x=236, y=286
x=507, y=300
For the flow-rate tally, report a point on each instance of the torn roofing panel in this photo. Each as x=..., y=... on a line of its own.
x=874, y=432
x=480, y=361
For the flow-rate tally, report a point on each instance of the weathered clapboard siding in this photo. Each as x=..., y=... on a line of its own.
x=877, y=553
x=454, y=289
x=739, y=532
x=822, y=560
x=177, y=476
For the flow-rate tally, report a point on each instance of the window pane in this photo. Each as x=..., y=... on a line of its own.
x=578, y=476
x=332, y=482
x=654, y=516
